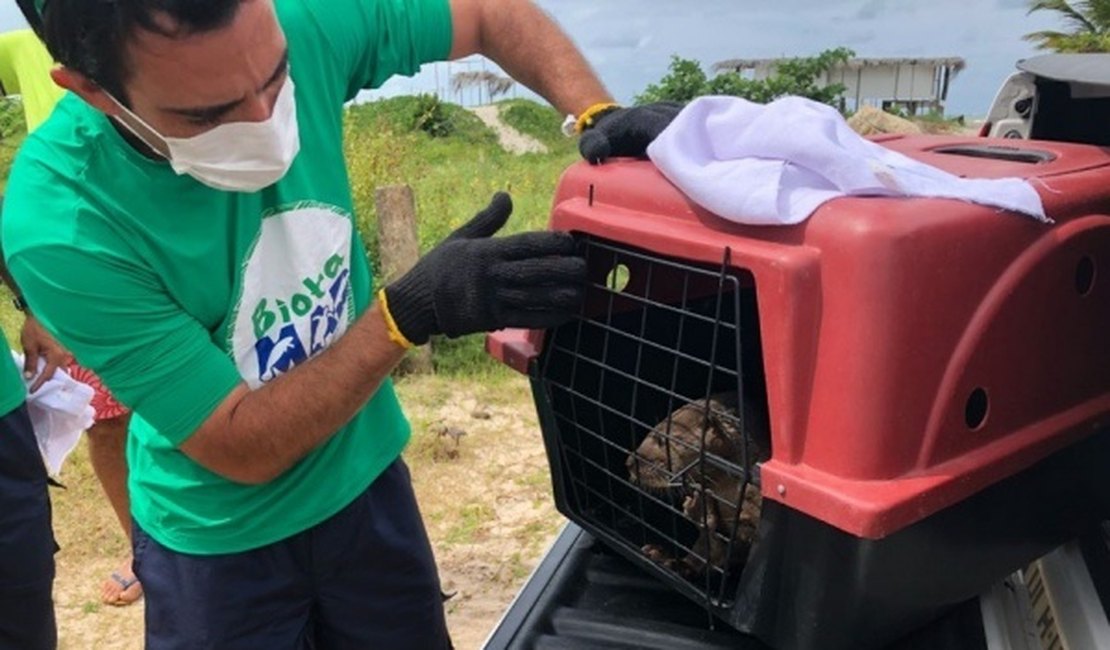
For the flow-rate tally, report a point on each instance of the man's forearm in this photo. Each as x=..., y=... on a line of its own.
x=527, y=44
x=255, y=436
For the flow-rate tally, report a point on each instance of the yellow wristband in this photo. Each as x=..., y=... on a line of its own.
x=395, y=334
x=587, y=118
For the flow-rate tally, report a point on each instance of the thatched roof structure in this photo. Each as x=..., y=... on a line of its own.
x=494, y=84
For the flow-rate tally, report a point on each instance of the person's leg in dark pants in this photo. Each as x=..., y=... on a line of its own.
x=26, y=540
x=377, y=581
x=241, y=601
x=363, y=579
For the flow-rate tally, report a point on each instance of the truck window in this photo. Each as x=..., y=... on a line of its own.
x=1062, y=116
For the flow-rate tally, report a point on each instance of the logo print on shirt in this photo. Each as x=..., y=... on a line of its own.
x=296, y=296
x=280, y=354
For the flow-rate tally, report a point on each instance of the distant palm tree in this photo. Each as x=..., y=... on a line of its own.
x=1089, y=21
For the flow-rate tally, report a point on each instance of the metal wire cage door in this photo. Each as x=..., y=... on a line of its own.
x=654, y=416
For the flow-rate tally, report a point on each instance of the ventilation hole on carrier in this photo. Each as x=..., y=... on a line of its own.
x=978, y=405
x=1085, y=275
x=618, y=278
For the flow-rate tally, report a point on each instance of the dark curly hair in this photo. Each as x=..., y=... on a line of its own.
x=90, y=36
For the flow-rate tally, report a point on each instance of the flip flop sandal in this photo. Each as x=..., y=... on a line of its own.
x=125, y=584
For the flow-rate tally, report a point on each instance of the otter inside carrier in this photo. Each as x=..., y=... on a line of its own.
x=658, y=442
x=830, y=434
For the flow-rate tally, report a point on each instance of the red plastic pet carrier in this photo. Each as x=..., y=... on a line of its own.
x=829, y=433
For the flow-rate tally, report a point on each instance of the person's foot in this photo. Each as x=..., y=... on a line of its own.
x=122, y=587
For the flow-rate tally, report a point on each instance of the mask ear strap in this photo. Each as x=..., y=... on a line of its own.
x=163, y=150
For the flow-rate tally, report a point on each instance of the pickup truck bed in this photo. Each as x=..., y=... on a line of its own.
x=583, y=596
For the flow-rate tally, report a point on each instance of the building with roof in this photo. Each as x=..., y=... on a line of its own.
x=912, y=85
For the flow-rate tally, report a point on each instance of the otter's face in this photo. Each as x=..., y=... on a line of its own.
x=676, y=444
x=663, y=454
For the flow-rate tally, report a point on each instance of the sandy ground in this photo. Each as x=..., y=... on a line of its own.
x=510, y=139
x=486, y=501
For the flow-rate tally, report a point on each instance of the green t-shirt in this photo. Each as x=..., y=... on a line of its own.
x=174, y=293
x=25, y=70
x=12, y=389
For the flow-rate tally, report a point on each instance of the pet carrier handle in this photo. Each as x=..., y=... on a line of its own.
x=473, y=282
x=515, y=348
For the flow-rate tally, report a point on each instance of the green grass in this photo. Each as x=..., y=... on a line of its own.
x=451, y=160
x=541, y=122
x=419, y=114
x=539, y=480
x=453, y=177
x=11, y=321
x=933, y=122
x=518, y=570
x=12, y=132
x=473, y=516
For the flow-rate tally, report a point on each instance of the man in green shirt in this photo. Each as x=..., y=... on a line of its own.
x=183, y=224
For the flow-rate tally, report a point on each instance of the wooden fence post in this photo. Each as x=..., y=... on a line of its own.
x=399, y=248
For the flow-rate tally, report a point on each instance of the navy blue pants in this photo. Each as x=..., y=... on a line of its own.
x=26, y=540
x=363, y=579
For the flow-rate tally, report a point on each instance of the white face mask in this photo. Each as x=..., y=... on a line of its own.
x=234, y=157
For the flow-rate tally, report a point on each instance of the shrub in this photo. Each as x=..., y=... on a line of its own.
x=686, y=80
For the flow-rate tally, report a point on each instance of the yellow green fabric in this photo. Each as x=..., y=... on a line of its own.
x=25, y=71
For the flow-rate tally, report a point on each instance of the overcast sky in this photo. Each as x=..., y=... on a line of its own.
x=630, y=41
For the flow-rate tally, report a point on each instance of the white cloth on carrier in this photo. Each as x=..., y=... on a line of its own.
x=775, y=164
x=59, y=410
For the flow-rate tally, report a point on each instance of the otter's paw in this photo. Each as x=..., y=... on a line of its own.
x=692, y=506
x=659, y=556
x=655, y=553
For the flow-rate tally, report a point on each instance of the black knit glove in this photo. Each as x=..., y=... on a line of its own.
x=472, y=283
x=626, y=131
